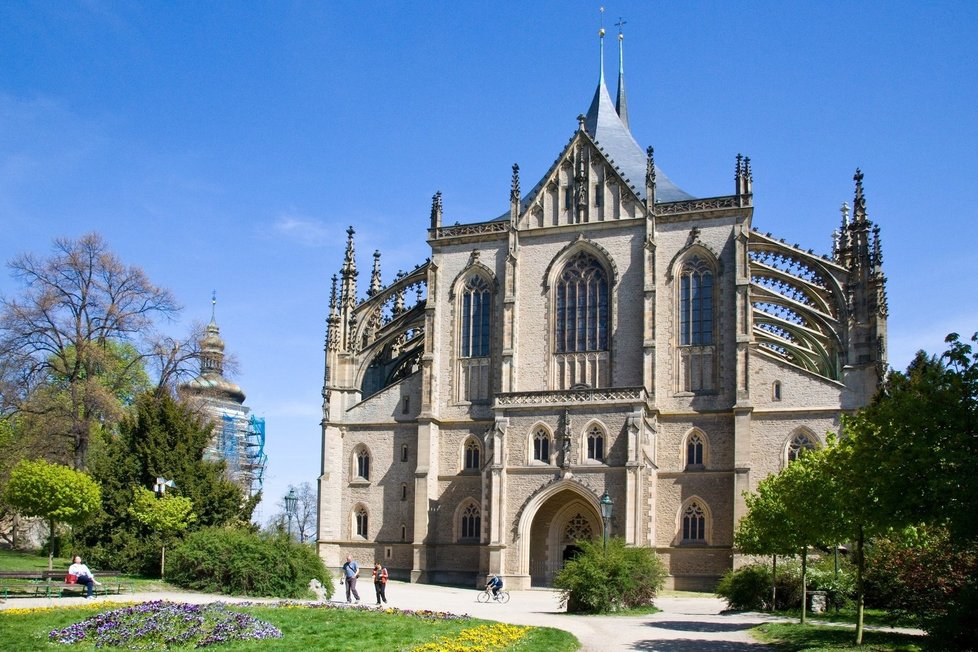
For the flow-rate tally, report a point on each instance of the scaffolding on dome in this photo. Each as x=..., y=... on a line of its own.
x=255, y=451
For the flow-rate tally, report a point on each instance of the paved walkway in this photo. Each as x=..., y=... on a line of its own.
x=684, y=624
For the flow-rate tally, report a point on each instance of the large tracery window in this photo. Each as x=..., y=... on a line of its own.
x=581, y=323
x=694, y=524
x=474, y=339
x=797, y=447
x=476, y=304
x=696, y=332
x=471, y=524
x=582, y=306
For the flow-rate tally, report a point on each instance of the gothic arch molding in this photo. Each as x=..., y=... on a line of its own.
x=533, y=505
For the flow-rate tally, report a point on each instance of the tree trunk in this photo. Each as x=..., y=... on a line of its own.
x=860, y=587
x=51, y=545
x=163, y=562
x=804, y=583
x=774, y=582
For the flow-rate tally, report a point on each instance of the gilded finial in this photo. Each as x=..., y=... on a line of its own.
x=213, y=304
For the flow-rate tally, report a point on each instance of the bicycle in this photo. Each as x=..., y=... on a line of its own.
x=501, y=597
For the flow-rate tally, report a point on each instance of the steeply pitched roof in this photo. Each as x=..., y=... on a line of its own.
x=604, y=125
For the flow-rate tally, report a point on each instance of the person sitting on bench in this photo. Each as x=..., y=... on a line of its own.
x=80, y=573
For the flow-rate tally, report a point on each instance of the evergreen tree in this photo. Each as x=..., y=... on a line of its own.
x=162, y=437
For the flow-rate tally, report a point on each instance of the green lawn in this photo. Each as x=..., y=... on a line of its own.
x=874, y=617
x=18, y=560
x=794, y=637
x=303, y=628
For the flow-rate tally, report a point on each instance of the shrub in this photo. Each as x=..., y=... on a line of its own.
x=747, y=588
x=600, y=581
x=931, y=579
x=239, y=561
x=840, y=589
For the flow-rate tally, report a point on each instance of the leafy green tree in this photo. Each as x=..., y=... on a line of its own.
x=160, y=437
x=167, y=514
x=793, y=510
x=74, y=307
x=54, y=492
x=921, y=431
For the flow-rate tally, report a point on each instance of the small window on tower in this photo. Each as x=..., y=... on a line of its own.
x=404, y=453
x=598, y=195
x=776, y=390
x=406, y=405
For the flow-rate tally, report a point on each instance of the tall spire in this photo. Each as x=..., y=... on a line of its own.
x=621, y=106
x=375, y=282
x=601, y=48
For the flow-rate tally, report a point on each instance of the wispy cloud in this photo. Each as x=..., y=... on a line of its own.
x=306, y=231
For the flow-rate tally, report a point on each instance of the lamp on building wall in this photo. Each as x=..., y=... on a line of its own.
x=291, y=507
x=607, y=506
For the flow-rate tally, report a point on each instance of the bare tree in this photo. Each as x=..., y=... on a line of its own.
x=304, y=521
x=75, y=307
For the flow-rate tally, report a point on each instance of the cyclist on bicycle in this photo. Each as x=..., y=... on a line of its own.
x=496, y=584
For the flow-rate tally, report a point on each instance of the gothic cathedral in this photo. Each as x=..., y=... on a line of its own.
x=610, y=341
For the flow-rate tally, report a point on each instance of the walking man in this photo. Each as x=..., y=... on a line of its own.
x=351, y=570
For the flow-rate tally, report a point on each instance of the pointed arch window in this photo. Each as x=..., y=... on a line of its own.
x=541, y=446
x=360, y=521
x=471, y=454
x=694, y=450
x=696, y=303
x=476, y=308
x=694, y=524
x=581, y=321
x=797, y=446
x=470, y=527
x=595, y=444
x=361, y=463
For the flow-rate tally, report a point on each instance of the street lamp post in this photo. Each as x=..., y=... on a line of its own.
x=606, y=508
x=291, y=507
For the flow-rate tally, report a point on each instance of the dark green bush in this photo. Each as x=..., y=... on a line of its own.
x=747, y=588
x=840, y=588
x=600, y=581
x=238, y=561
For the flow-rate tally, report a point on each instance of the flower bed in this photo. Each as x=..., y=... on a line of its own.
x=161, y=625
x=484, y=638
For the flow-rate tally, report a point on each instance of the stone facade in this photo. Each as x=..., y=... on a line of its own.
x=609, y=335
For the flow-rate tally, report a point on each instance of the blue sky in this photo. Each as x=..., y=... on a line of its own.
x=227, y=145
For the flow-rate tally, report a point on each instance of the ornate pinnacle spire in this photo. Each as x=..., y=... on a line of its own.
x=213, y=306
x=621, y=105
x=348, y=274
x=436, y=210
x=876, y=257
x=650, y=175
x=748, y=175
x=332, y=298
x=859, y=202
x=375, y=283
x=514, y=189
x=739, y=175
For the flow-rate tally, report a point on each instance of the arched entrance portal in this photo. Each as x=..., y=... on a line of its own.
x=561, y=521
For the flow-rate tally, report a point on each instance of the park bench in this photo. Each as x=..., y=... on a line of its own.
x=112, y=583
x=51, y=584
